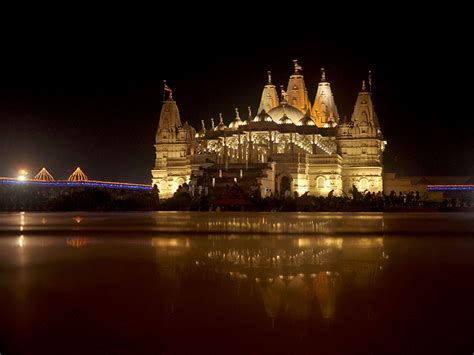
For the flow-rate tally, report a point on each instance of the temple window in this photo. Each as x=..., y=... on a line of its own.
x=320, y=182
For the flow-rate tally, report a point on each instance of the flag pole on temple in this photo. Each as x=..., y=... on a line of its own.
x=166, y=88
x=370, y=80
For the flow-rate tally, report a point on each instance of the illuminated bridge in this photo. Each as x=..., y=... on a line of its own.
x=76, y=179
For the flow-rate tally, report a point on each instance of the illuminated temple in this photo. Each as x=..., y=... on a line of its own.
x=292, y=144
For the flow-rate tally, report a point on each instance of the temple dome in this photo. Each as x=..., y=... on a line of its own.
x=237, y=121
x=285, y=109
x=263, y=117
x=285, y=120
x=306, y=121
x=221, y=126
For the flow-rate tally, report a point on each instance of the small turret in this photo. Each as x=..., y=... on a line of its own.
x=169, y=116
x=202, y=131
x=249, y=117
x=237, y=122
x=221, y=126
x=364, y=111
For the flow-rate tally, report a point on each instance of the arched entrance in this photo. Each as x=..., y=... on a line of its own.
x=285, y=186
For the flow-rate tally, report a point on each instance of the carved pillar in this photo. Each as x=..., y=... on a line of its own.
x=250, y=148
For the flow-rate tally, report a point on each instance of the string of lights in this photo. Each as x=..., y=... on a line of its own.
x=66, y=183
x=450, y=188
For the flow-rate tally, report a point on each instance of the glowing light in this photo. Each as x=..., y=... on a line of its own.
x=21, y=241
x=170, y=243
x=22, y=175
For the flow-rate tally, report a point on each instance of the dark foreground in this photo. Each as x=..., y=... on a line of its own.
x=151, y=283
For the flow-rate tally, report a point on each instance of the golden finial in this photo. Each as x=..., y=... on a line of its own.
x=269, y=73
x=298, y=67
x=363, y=85
x=203, y=125
x=284, y=95
x=237, y=115
x=212, y=123
x=221, y=119
x=250, y=112
x=370, y=80
x=323, y=75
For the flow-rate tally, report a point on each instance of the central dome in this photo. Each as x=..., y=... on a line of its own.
x=277, y=113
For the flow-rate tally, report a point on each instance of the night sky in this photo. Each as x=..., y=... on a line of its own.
x=90, y=95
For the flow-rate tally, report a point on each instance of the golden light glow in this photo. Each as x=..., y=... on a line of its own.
x=170, y=243
x=347, y=155
x=22, y=175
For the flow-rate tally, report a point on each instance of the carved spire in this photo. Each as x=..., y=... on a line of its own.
x=269, y=98
x=324, y=109
x=364, y=111
x=250, y=113
x=203, y=125
x=296, y=89
x=221, y=118
x=169, y=117
x=212, y=123
x=323, y=75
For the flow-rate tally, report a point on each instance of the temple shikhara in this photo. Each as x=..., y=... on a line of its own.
x=291, y=145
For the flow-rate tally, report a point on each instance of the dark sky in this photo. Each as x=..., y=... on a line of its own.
x=89, y=94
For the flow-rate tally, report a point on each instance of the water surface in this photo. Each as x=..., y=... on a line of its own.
x=145, y=283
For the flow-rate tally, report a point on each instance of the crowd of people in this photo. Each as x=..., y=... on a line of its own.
x=40, y=198
x=199, y=198
x=236, y=198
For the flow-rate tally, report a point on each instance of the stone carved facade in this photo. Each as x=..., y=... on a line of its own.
x=299, y=147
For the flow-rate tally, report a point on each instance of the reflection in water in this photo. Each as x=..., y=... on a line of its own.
x=21, y=241
x=326, y=286
x=77, y=242
x=294, y=223
x=233, y=292
x=299, y=278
